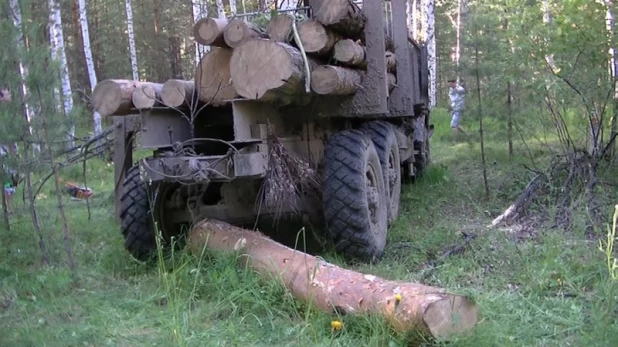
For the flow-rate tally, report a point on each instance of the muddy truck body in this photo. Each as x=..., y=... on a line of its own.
x=352, y=149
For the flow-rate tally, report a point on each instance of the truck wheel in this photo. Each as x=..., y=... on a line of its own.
x=385, y=141
x=355, y=195
x=136, y=219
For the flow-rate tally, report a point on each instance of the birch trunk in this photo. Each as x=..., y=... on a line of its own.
x=134, y=70
x=609, y=21
x=92, y=75
x=232, y=7
x=23, y=69
x=287, y=4
x=220, y=9
x=430, y=40
x=56, y=37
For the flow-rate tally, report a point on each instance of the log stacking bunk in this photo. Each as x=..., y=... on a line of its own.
x=268, y=64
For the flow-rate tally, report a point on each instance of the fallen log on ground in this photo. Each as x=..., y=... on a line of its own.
x=213, y=79
x=268, y=70
x=316, y=38
x=280, y=28
x=115, y=96
x=147, y=96
x=341, y=15
x=209, y=31
x=238, y=32
x=177, y=93
x=405, y=306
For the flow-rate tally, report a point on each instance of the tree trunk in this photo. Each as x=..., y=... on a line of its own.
x=348, y=52
x=175, y=56
x=238, y=32
x=335, y=80
x=177, y=93
x=341, y=15
x=58, y=52
x=613, y=61
x=269, y=71
x=430, y=40
x=147, y=96
x=316, y=38
x=132, y=49
x=209, y=32
x=115, y=97
x=92, y=75
x=280, y=28
x=213, y=79
x=405, y=306
x=220, y=9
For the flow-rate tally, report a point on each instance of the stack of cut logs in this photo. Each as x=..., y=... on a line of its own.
x=266, y=64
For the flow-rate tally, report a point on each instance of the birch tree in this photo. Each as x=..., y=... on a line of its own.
x=15, y=12
x=92, y=75
x=132, y=49
x=233, y=7
x=56, y=38
x=220, y=9
x=613, y=69
x=430, y=40
x=412, y=13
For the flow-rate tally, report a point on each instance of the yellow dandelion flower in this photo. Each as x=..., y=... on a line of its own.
x=336, y=325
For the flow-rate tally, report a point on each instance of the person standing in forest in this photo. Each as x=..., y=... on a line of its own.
x=457, y=96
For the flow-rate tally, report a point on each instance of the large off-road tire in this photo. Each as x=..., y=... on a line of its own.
x=354, y=197
x=385, y=141
x=136, y=220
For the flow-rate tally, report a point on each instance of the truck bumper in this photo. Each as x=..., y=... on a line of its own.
x=220, y=168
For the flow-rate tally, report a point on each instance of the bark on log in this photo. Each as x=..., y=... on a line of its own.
x=391, y=61
x=114, y=96
x=209, y=31
x=405, y=306
x=341, y=15
x=267, y=70
x=335, y=80
x=213, y=79
x=147, y=96
x=316, y=38
x=280, y=28
x=177, y=93
x=392, y=82
x=238, y=32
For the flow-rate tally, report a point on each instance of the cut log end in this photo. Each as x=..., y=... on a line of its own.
x=342, y=15
x=176, y=93
x=450, y=316
x=115, y=97
x=265, y=70
x=213, y=79
x=146, y=96
x=350, y=53
x=335, y=80
x=209, y=31
x=280, y=28
x=315, y=38
x=238, y=32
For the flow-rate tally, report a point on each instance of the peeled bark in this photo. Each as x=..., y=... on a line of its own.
x=335, y=80
x=213, y=79
x=405, y=306
x=280, y=28
x=268, y=70
x=316, y=38
x=209, y=31
x=341, y=15
x=238, y=32
x=177, y=93
x=147, y=96
x=115, y=97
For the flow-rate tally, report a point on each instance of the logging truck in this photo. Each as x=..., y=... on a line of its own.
x=321, y=114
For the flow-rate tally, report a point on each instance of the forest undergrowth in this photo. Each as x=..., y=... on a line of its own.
x=534, y=284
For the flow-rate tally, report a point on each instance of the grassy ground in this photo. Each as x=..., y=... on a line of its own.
x=541, y=287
